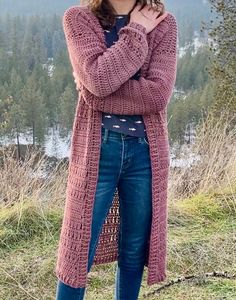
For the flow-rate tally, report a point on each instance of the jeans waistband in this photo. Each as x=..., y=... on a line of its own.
x=116, y=135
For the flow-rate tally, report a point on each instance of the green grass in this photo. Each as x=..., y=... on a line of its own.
x=23, y=221
x=201, y=238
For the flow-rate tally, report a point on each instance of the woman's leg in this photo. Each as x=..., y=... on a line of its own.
x=135, y=191
x=109, y=167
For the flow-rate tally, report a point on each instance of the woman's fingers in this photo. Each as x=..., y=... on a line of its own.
x=154, y=11
x=148, y=16
x=162, y=17
x=137, y=7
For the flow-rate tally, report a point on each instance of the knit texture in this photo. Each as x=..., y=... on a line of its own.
x=103, y=76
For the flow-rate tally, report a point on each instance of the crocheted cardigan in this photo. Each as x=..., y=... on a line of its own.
x=103, y=80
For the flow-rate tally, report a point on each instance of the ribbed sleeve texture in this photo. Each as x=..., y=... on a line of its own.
x=103, y=75
x=103, y=72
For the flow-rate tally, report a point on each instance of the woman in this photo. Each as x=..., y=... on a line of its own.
x=123, y=55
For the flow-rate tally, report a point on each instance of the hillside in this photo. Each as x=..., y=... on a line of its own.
x=44, y=7
x=200, y=236
x=189, y=13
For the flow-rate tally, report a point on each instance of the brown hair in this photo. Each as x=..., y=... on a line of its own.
x=105, y=12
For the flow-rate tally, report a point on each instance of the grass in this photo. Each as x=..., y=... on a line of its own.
x=201, y=226
x=200, y=239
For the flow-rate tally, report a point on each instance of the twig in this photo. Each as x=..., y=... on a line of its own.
x=183, y=278
x=19, y=285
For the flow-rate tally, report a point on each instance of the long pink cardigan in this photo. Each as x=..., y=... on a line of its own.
x=103, y=76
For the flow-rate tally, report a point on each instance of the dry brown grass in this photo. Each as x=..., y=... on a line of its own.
x=215, y=144
x=31, y=178
x=201, y=228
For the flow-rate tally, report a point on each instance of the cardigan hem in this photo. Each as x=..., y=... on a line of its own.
x=81, y=284
x=66, y=279
x=159, y=278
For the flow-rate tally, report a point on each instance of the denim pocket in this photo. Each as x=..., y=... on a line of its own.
x=103, y=140
x=146, y=141
x=143, y=140
x=103, y=136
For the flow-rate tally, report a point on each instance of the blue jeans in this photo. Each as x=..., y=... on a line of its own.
x=124, y=164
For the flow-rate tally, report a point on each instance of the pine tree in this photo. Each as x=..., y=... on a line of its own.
x=11, y=120
x=67, y=109
x=34, y=108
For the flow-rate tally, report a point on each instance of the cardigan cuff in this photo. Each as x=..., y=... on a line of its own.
x=138, y=26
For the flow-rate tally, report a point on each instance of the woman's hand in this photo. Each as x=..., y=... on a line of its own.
x=148, y=16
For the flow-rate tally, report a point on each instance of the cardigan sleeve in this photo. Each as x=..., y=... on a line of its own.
x=149, y=94
x=100, y=69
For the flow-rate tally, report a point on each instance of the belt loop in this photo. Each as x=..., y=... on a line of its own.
x=140, y=139
x=105, y=135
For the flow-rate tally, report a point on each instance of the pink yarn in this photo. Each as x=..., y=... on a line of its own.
x=103, y=75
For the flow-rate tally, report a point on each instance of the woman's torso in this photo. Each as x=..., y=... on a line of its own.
x=127, y=124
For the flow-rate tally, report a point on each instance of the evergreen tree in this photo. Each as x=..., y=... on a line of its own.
x=67, y=109
x=34, y=108
x=11, y=120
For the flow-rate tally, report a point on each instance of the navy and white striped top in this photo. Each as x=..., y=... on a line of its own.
x=128, y=124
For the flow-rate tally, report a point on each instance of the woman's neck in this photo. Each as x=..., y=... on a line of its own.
x=122, y=7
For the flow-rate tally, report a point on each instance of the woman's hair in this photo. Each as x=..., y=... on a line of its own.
x=105, y=12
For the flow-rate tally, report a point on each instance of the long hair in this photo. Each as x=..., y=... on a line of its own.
x=105, y=12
